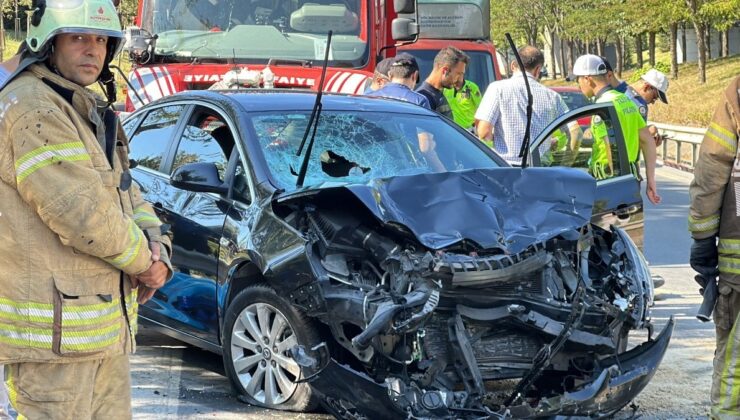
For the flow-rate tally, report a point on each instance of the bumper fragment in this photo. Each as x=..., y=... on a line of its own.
x=345, y=392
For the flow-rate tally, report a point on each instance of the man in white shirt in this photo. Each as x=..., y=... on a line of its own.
x=502, y=114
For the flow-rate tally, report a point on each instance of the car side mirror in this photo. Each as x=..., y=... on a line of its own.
x=403, y=29
x=198, y=177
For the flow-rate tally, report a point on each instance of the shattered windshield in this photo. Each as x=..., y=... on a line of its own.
x=253, y=31
x=360, y=146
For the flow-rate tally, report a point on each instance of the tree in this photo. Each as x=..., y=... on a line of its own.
x=699, y=23
x=671, y=13
x=722, y=14
x=518, y=18
x=127, y=10
x=552, y=15
x=589, y=22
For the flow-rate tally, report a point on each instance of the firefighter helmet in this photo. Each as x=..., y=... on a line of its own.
x=54, y=17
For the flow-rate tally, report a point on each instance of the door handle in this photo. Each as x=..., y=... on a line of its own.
x=625, y=212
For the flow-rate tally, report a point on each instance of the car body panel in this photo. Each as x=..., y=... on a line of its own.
x=618, y=200
x=506, y=208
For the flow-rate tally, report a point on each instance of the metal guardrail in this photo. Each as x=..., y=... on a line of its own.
x=680, y=148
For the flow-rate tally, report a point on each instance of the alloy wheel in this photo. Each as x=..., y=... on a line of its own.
x=261, y=340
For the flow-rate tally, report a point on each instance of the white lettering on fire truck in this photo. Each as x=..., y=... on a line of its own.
x=296, y=81
x=189, y=78
x=284, y=80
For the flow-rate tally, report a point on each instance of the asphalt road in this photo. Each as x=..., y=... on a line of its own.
x=174, y=381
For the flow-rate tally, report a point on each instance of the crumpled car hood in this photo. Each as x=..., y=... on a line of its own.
x=506, y=208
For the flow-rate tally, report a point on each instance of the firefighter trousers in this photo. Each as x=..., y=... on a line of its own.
x=94, y=389
x=725, y=395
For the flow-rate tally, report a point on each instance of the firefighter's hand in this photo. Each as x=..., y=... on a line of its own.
x=704, y=257
x=154, y=247
x=155, y=276
x=144, y=294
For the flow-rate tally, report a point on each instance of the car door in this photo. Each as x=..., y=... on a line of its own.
x=569, y=142
x=187, y=303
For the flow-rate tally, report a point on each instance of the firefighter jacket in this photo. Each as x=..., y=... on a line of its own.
x=72, y=228
x=715, y=190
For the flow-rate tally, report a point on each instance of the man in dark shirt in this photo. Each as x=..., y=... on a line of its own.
x=448, y=71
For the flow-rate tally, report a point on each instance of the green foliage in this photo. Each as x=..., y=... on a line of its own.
x=721, y=14
x=127, y=9
x=659, y=65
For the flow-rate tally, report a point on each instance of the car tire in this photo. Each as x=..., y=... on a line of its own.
x=262, y=374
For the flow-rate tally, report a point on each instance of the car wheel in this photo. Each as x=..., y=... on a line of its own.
x=260, y=328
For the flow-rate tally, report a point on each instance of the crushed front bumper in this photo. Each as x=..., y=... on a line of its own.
x=347, y=393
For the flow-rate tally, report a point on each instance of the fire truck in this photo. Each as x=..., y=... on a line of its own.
x=180, y=45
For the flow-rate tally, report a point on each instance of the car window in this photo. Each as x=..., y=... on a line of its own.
x=587, y=141
x=206, y=138
x=359, y=146
x=149, y=142
x=574, y=100
x=241, y=184
x=130, y=123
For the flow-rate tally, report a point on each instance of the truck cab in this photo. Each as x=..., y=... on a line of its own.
x=464, y=24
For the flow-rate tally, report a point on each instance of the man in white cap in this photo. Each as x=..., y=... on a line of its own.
x=651, y=87
x=589, y=71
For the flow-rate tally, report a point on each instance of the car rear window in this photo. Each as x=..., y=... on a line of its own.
x=574, y=99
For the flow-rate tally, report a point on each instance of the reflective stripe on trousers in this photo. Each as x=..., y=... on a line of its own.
x=729, y=389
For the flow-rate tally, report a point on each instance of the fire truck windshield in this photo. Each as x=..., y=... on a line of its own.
x=254, y=31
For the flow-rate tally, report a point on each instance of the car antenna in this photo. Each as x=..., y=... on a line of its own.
x=524, y=151
x=313, y=122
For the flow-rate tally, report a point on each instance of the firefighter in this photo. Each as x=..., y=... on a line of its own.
x=713, y=213
x=78, y=246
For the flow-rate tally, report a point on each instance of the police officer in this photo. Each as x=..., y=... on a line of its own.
x=464, y=99
x=76, y=239
x=714, y=214
x=589, y=71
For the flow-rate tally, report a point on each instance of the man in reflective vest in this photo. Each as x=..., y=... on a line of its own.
x=714, y=212
x=590, y=73
x=78, y=246
x=464, y=99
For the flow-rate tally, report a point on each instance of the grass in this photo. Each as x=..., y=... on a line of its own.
x=689, y=103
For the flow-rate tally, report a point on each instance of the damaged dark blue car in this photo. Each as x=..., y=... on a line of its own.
x=410, y=274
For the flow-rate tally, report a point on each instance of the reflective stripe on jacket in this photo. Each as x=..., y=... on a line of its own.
x=715, y=190
x=714, y=172
x=71, y=230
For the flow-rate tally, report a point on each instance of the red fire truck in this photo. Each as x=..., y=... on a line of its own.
x=191, y=44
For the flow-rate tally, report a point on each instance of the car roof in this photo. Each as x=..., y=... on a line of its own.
x=261, y=100
x=565, y=89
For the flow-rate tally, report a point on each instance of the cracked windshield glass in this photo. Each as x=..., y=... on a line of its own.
x=289, y=29
x=358, y=147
